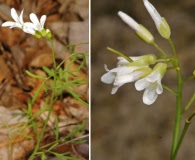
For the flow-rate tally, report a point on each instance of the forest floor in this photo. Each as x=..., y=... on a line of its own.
x=32, y=124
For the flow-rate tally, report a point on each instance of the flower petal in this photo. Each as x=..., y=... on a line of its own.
x=115, y=88
x=153, y=77
x=108, y=78
x=159, y=88
x=127, y=78
x=122, y=61
x=29, y=25
x=29, y=30
x=141, y=84
x=34, y=19
x=7, y=24
x=153, y=12
x=128, y=20
x=150, y=95
x=42, y=20
x=106, y=68
x=14, y=15
x=21, y=17
x=125, y=69
x=18, y=25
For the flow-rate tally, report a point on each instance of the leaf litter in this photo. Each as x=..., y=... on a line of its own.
x=67, y=128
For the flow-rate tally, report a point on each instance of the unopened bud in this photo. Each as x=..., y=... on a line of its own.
x=140, y=30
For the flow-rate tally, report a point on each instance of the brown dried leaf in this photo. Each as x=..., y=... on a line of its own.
x=43, y=59
x=16, y=139
x=5, y=12
x=4, y=70
x=77, y=110
x=82, y=8
x=12, y=3
x=13, y=36
x=79, y=33
x=9, y=98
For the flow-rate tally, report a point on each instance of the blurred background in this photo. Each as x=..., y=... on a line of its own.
x=122, y=126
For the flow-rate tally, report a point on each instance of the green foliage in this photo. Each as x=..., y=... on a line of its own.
x=59, y=79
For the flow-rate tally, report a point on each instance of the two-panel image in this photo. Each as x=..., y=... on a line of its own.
x=97, y=80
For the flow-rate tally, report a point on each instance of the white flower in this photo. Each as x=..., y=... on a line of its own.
x=127, y=72
x=36, y=24
x=35, y=27
x=140, y=30
x=121, y=75
x=18, y=20
x=152, y=84
x=160, y=22
x=28, y=29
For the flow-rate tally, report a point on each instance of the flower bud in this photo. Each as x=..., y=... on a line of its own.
x=160, y=22
x=140, y=30
x=48, y=33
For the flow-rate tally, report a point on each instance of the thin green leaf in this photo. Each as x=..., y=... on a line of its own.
x=34, y=75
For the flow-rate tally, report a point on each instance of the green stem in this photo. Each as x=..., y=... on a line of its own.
x=169, y=89
x=189, y=78
x=53, y=53
x=120, y=54
x=178, y=114
x=192, y=99
x=158, y=48
x=187, y=123
x=40, y=136
x=173, y=47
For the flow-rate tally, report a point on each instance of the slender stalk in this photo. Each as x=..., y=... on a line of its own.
x=120, y=54
x=187, y=123
x=169, y=89
x=192, y=99
x=180, y=140
x=178, y=114
x=189, y=78
x=50, y=105
x=173, y=47
x=158, y=48
x=53, y=53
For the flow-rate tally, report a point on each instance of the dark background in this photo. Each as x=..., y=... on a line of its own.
x=122, y=126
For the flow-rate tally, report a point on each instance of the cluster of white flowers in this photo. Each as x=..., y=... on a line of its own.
x=35, y=27
x=139, y=71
